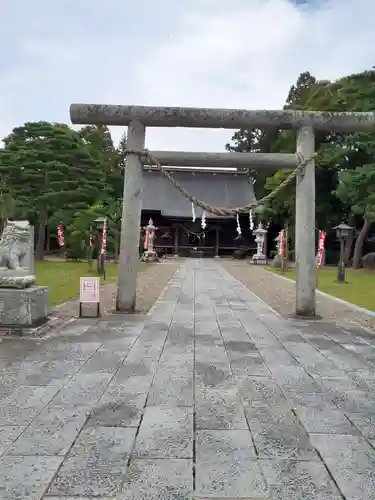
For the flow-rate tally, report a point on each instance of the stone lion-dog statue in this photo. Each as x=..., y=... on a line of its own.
x=14, y=245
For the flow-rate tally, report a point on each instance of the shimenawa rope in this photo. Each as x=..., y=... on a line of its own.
x=222, y=211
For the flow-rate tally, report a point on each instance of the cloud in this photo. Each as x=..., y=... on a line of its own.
x=211, y=53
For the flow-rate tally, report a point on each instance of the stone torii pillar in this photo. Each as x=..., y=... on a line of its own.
x=139, y=117
x=305, y=227
x=131, y=217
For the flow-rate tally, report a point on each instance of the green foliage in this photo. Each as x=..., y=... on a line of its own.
x=360, y=291
x=298, y=92
x=83, y=220
x=51, y=165
x=356, y=190
x=62, y=278
x=352, y=153
x=252, y=141
x=51, y=171
x=121, y=151
x=99, y=141
x=51, y=174
x=78, y=232
x=8, y=204
x=281, y=208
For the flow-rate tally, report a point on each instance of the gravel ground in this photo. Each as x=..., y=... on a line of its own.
x=280, y=294
x=150, y=284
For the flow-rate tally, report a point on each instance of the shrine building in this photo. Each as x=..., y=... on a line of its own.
x=172, y=213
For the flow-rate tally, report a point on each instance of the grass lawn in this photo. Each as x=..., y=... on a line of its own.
x=359, y=289
x=62, y=277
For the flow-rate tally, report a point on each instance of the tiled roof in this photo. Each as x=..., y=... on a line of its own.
x=221, y=189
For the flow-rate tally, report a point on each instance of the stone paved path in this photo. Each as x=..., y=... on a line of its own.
x=209, y=396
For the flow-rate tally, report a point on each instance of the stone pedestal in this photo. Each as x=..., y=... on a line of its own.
x=259, y=259
x=23, y=308
x=150, y=256
x=196, y=254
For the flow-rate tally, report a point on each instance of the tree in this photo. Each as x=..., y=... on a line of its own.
x=51, y=171
x=336, y=151
x=114, y=214
x=8, y=203
x=254, y=141
x=271, y=140
x=100, y=144
x=121, y=150
x=109, y=202
x=307, y=94
x=79, y=228
x=118, y=178
x=298, y=92
x=345, y=152
x=98, y=139
x=78, y=232
x=274, y=141
x=357, y=191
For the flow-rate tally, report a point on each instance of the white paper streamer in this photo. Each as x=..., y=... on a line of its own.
x=238, y=226
x=193, y=211
x=251, y=220
x=203, y=223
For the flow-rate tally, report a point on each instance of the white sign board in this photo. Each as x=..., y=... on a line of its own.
x=89, y=290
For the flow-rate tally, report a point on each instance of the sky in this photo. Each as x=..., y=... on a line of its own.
x=208, y=53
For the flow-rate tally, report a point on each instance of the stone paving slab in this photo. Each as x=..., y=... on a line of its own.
x=159, y=479
x=210, y=395
x=52, y=432
x=165, y=433
x=96, y=463
x=26, y=477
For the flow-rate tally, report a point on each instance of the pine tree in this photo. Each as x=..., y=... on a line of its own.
x=297, y=92
x=121, y=150
x=50, y=170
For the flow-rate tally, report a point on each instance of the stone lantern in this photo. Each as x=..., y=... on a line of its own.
x=343, y=231
x=99, y=223
x=260, y=239
x=149, y=254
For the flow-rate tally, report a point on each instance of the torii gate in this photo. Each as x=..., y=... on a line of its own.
x=137, y=118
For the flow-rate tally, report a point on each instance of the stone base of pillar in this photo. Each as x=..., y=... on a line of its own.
x=217, y=256
x=175, y=256
x=306, y=317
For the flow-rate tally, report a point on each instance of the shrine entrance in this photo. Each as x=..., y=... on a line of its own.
x=178, y=237
x=196, y=239
x=302, y=164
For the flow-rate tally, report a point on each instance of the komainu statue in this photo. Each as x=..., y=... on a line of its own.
x=15, y=255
